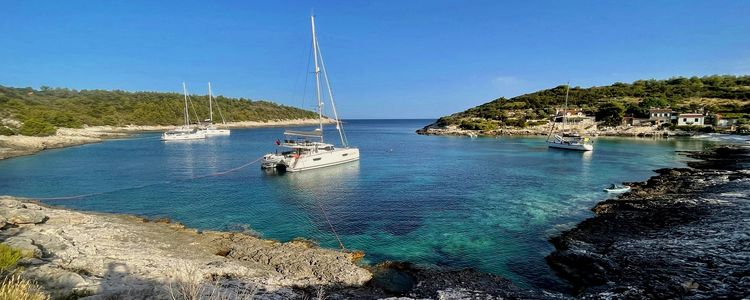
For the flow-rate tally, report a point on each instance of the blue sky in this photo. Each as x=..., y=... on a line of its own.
x=386, y=59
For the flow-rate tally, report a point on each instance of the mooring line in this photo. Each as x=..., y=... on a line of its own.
x=317, y=203
x=147, y=185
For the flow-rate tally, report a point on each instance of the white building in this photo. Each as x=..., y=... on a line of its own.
x=690, y=120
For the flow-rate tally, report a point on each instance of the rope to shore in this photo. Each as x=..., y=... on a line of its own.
x=149, y=185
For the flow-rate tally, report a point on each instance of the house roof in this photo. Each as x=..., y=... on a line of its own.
x=691, y=115
x=660, y=110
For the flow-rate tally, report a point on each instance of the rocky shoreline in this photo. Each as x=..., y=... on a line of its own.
x=18, y=145
x=684, y=233
x=543, y=130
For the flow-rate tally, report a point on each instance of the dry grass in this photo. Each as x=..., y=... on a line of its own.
x=15, y=288
x=190, y=284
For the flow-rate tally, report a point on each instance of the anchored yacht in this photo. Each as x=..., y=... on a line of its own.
x=210, y=129
x=568, y=141
x=308, y=149
x=184, y=132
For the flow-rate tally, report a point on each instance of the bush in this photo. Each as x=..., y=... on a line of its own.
x=4, y=130
x=9, y=257
x=478, y=125
x=37, y=127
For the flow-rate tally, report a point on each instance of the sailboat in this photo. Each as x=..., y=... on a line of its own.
x=184, y=132
x=571, y=142
x=210, y=128
x=308, y=149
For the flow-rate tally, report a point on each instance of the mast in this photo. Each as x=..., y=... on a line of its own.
x=317, y=76
x=565, y=111
x=210, y=108
x=339, y=126
x=187, y=115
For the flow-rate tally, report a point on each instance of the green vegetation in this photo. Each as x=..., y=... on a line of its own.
x=34, y=126
x=9, y=257
x=60, y=107
x=722, y=94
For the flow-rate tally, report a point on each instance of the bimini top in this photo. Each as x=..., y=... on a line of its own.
x=314, y=133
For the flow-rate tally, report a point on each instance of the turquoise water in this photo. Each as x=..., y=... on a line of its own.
x=486, y=203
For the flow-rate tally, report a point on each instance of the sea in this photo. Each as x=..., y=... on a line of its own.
x=487, y=203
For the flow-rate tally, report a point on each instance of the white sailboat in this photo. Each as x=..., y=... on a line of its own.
x=560, y=141
x=184, y=132
x=308, y=149
x=210, y=129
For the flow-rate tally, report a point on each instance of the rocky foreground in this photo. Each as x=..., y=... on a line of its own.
x=115, y=256
x=682, y=234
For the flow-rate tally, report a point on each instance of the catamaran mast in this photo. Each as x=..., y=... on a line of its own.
x=210, y=108
x=187, y=115
x=317, y=76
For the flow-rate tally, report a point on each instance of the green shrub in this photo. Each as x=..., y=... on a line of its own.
x=37, y=127
x=9, y=256
x=478, y=125
x=4, y=130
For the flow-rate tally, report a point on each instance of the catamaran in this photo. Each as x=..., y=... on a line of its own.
x=210, y=128
x=567, y=141
x=308, y=148
x=184, y=132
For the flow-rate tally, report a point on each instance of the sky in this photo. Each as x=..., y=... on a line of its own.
x=386, y=59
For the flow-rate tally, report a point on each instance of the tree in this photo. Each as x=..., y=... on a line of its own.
x=610, y=113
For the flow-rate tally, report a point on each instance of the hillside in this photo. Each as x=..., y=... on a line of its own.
x=29, y=111
x=716, y=94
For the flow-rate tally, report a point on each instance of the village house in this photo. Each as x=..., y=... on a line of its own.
x=690, y=119
x=575, y=116
x=660, y=115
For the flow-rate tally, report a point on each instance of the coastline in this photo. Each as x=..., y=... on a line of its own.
x=18, y=145
x=543, y=130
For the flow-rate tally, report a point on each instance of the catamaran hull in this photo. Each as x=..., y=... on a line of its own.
x=183, y=137
x=310, y=161
x=217, y=132
x=577, y=147
x=322, y=160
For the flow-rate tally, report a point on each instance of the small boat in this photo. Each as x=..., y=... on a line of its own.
x=210, y=129
x=308, y=149
x=617, y=189
x=185, y=132
x=567, y=140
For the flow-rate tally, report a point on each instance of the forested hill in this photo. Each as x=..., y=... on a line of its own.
x=710, y=93
x=70, y=108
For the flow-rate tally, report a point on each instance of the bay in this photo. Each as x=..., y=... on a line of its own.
x=484, y=203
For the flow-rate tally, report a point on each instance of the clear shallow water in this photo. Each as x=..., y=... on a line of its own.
x=486, y=203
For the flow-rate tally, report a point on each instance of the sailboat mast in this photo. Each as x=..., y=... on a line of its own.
x=187, y=116
x=317, y=75
x=210, y=107
x=565, y=111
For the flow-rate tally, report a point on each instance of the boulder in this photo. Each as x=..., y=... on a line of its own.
x=22, y=216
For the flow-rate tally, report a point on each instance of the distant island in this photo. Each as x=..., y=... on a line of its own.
x=32, y=120
x=681, y=105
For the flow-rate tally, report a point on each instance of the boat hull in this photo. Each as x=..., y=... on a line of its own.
x=216, y=132
x=183, y=137
x=311, y=161
x=576, y=147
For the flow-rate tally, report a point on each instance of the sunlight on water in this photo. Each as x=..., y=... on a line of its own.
x=485, y=203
